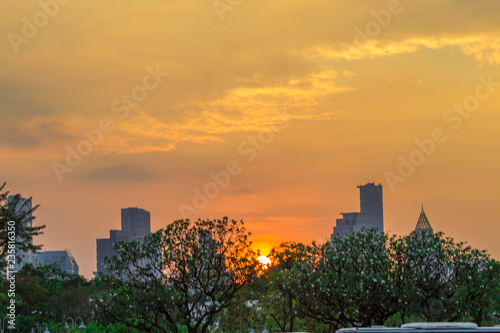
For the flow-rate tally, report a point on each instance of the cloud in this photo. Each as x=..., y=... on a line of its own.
x=226, y=77
x=119, y=173
x=247, y=107
x=484, y=48
x=36, y=133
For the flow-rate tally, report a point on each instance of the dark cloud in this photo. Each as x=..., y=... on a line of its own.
x=119, y=173
x=34, y=134
x=13, y=138
x=243, y=190
x=17, y=103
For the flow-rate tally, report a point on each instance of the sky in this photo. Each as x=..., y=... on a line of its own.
x=269, y=111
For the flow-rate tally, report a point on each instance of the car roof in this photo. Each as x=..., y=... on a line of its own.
x=423, y=328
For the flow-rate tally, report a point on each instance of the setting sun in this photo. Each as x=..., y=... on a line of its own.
x=265, y=261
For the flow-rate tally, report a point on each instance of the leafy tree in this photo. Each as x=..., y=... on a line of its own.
x=182, y=276
x=279, y=301
x=48, y=294
x=318, y=296
x=369, y=282
x=244, y=316
x=18, y=212
x=427, y=274
x=349, y=281
x=478, y=284
x=442, y=280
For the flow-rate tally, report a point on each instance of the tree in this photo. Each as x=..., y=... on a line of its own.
x=318, y=295
x=20, y=233
x=48, y=294
x=349, y=281
x=478, y=285
x=369, y=281
x=427, y=276
x=246, y=315
x=181, y=276
x=443, y=280
x=280, y=301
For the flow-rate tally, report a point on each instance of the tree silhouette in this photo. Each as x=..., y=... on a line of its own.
x=183, y=275
x=20, y=233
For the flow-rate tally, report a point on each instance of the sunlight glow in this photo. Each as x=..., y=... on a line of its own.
x=265, y=261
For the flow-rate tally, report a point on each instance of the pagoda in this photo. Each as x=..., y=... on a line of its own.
x=423, y=224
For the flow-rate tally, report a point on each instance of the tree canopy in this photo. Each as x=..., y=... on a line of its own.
x=22, y=233
x=181, y=276
x=204, y=276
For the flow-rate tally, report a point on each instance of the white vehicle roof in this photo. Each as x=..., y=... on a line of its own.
x=439, y=325
x=424, y=328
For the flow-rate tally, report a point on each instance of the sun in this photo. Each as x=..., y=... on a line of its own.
x=265, y=261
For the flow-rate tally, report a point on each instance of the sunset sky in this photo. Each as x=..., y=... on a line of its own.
x=303, y=100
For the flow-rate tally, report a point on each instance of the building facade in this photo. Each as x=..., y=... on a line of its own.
x=64, y=259
x=22, y=208
x=371, y=213
x=135, y=225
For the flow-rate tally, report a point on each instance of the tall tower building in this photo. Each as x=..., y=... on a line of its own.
x=22, y=208
x=135, y=223
x=370, y=197
x=371, y=215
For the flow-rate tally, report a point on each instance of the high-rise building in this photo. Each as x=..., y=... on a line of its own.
x=64, y=259
x=371, y=215
x=423, y=224
x=22, y=208
x=135, y=223
x=371, y=204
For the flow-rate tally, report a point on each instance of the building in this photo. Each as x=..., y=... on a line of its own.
x=136, y=221
x=423, y=224
x=371, y=215
x=64, y=259
x=371, y=205
x=135, y=225
x=22, y=209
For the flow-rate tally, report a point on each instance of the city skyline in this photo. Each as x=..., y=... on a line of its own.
x=128, y=232
x=267, y=111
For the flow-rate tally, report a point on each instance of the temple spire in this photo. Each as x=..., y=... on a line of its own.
x=423, y=223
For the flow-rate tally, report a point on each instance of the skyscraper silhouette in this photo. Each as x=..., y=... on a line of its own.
x=135, y=223
x=371, y=215
x=22, y=207
x=371, y=204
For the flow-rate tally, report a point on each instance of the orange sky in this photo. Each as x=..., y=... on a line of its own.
x=304, y=100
